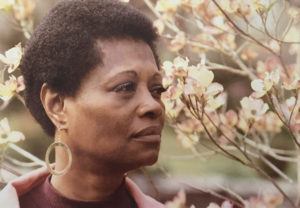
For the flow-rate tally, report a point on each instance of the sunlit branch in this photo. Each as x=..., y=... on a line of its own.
x=9, y=170
x=201, y=45
x=21, y=164
x=27, y=154
x=238, y=61
x=246, y=152
x=228, y=139
x=20, y=98
x=268, y=150
x=276, y=169
x=4, y=104
x=214, y=66
x=219, y=146
x=282, y=120
x=242, y=46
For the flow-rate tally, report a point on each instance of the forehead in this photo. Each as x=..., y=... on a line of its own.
x=125, y=54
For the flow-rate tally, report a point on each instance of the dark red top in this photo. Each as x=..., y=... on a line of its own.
x=46, y=196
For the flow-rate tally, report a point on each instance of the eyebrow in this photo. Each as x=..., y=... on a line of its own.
x=129, y=72
x=133, y=73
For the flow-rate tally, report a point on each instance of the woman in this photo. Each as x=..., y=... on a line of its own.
x=93, y=83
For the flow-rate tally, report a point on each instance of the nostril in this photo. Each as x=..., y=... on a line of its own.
x=150, y=115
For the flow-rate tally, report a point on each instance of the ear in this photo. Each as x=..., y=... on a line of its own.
x=53, y=104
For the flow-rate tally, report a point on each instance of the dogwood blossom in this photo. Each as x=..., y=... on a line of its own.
x=261, y=87
x=11, y=86
x=253, y=109
x=6, y=135
x=178, y=42
x=12, y=57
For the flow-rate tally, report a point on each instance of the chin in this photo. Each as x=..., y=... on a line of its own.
x=142, y=160
x=150, y=158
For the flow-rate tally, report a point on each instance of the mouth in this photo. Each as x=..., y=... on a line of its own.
x=148, y=134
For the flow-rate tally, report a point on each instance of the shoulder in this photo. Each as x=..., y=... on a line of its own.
x=142, y=200
x=9, y=196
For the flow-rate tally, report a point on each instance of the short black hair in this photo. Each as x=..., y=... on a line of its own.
x=62, y=49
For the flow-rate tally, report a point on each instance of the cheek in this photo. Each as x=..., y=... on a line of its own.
x=163, y=116
x=93, y=128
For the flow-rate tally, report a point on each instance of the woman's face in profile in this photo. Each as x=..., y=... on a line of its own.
x=116, y=118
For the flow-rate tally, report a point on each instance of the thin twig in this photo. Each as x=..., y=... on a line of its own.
x=228, y=139
x=284, y=123
x=219, y=146
x=241, y=31
x=232, y=193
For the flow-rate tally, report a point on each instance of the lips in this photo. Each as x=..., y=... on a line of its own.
x=151, y=133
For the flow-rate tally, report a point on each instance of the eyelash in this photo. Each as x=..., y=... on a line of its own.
x=159, y=90
x=131, y=87
x=126, y=87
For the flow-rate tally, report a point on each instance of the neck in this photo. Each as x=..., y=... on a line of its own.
x=85, y=184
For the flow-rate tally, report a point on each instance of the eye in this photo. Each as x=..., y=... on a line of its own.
x=158, y=90
x=126, y=87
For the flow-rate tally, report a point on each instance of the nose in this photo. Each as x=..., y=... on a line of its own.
x=150, y=107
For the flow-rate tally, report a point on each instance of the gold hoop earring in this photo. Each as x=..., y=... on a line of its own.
x=53, y=171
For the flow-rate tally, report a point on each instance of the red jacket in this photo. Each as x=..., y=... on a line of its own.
x=9, y=195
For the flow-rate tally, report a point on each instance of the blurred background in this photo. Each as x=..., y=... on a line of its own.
x=185, y=169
